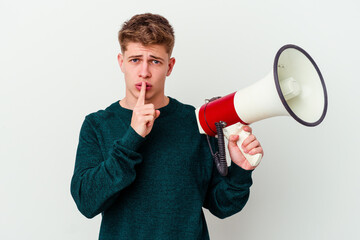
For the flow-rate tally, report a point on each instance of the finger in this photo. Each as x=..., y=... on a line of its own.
x=145, y=109
x=148, y=119
x=233, y=140
x=251, y=146
x=139, y=115
x=141, y=99
x=247, y=129
x=248, y=140
x=151, y=120
x=256, y=151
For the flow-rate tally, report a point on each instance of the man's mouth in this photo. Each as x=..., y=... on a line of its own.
x=148, y=86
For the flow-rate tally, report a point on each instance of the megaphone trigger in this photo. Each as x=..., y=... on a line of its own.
x=237, y=129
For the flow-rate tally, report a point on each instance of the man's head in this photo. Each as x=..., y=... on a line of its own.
x=146, y=42
x=147, y=29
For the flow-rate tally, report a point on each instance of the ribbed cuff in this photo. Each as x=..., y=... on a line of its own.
x=131, y=139
x=239, y=175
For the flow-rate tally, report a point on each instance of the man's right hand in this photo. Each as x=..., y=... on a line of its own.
x=144, y=115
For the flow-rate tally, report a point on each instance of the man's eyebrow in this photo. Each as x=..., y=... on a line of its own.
x=140, y=55
x=135, y=56
x=157, y=57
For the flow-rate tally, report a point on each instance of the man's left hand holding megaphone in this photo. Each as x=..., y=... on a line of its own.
x=250, y=146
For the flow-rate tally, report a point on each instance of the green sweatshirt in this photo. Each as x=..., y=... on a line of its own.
x=152, y=187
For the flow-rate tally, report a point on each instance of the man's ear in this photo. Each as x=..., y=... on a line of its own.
x=121, y=61
x=170, y=66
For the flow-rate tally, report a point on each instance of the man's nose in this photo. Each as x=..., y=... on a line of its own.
x=145, y=70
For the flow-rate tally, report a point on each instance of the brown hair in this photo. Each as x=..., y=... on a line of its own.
x=147, y=29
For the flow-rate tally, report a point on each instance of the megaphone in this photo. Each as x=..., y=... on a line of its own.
x=294, y=87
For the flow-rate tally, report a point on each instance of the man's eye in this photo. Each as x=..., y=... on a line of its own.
x=156, y=61
x=134, y=60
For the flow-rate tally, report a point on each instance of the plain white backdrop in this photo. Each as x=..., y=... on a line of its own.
x=58, y=64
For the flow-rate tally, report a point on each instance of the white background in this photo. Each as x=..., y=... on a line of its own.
x=58, y=63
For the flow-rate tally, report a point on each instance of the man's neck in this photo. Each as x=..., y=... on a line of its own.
x=158, y=103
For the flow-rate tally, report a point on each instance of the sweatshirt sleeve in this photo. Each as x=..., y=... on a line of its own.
x=228, y=195
x=96, y=181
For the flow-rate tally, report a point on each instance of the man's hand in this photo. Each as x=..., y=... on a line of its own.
x=250, y=145
x=144, y=115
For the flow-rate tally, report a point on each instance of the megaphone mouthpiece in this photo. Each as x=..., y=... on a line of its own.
x=290, y=88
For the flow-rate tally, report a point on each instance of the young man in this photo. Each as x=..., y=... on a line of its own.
x=142, y=162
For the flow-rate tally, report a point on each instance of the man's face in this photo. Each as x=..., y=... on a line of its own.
x=150, y=64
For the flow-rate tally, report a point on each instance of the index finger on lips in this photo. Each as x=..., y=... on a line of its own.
x=141, y=99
